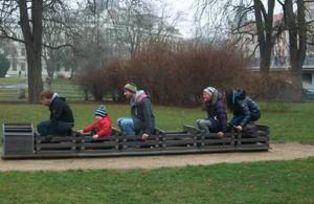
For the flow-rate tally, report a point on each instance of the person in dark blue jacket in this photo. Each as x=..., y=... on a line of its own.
x=244, y=109
x=216, y=121
x=61, y=116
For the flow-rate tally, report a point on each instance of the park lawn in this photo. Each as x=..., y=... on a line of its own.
x=13, y=80
x=64, y=87
x=258, y=182
x=288, y=122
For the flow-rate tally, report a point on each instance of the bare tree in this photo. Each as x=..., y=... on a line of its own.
x=297, y=27
x=26, y=17
x=250, y=19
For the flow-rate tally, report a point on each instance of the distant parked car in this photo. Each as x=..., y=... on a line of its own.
x=308, y=93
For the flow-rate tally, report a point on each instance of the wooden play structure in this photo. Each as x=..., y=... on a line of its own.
x=20, y=141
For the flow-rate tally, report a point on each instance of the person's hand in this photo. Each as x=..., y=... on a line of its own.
x=144, y=136
x=239, y=128
x=220, y=134
x=95, y=136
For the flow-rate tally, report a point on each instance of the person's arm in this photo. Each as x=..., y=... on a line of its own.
x=90, y=127
x=222, y=116
x=246, y=111
x=147, y=114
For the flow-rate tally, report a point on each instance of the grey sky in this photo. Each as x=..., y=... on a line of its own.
x=186, y=8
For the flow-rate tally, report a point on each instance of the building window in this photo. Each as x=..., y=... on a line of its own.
x=22, y=66
x=307, y=78
x=23, y=51
x=14, y=65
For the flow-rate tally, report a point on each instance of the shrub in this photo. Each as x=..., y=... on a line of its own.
x=277, y=86
x=93, y=82
x=177, y=74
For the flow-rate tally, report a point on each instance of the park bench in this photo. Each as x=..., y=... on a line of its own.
x=21, y=141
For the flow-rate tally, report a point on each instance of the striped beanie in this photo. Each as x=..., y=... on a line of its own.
x=101, y=111
x=210, y=90
x=130, y=87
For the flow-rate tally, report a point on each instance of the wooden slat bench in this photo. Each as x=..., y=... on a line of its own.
x=20, y=141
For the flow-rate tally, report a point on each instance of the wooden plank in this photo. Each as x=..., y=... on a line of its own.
x=97, y=151
x=50, y=153
x=254, y=139
x=139, y=144
x=209, y=149
x=56, y=145
x=106, y=144
x=179, y=142
x=178, y=137
x=252, y=147
x=143, y=150
x=182, y=148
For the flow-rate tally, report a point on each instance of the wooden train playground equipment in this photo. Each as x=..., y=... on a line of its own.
x=20, y=141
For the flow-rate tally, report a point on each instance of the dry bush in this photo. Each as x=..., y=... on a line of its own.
x=279, y=86
x=176, y=74
x=93, y=82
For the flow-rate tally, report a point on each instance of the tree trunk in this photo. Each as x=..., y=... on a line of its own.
x=296, y=25
x=32, y=32
x=264, y=26
x=35, y=84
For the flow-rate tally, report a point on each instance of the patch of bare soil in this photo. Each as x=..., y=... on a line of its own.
x=286, y=151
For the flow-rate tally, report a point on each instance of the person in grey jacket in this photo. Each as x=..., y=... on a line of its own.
x=245, y=110
x=142, y=121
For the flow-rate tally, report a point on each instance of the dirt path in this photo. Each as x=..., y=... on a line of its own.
x=287, y=151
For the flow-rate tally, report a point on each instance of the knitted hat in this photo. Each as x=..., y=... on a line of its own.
x=209, y=90
x=101, y=111
x=130, y=87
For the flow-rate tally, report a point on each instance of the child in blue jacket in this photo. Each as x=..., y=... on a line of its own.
x=244, y=109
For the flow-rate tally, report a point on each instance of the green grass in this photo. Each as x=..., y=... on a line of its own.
x=260, y=182
x=12, y=80
x=64, y=87
x=288, y=122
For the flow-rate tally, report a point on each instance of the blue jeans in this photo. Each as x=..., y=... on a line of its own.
x=207, y=125
x=126, y=126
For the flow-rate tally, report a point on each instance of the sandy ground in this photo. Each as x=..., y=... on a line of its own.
x=286, y=151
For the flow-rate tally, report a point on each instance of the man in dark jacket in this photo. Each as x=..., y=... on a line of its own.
x=143, y=120
x=61, y=117
x=245, y=110
x=216, y=121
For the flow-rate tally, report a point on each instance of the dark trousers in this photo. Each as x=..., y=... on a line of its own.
x=236, y=120
x=54, y=128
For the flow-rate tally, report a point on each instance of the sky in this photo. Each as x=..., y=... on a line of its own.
x=186, y=10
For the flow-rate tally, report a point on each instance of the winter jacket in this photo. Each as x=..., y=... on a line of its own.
x=60, y=110
x=245, y=106
x=101, y=126
x=216, y=111
x=142, y=113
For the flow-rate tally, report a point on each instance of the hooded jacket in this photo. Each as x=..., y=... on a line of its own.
x=245, y=106
x=142, y=113
x=60, y=110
